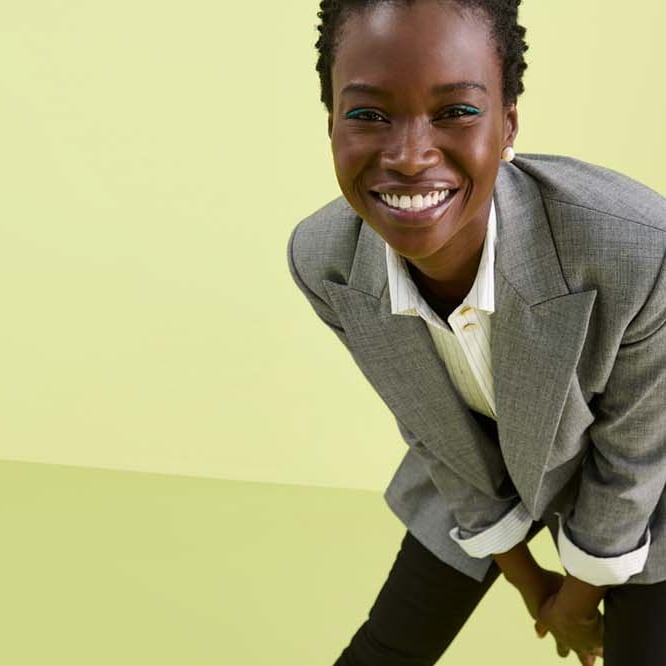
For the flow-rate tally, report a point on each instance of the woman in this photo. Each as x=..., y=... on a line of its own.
x=442, y=240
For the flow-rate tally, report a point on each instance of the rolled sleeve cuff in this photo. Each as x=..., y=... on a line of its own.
x=502, y=536
x=596, y=570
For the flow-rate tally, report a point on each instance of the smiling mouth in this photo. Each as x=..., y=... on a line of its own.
x=415, y=207
x=414, y=202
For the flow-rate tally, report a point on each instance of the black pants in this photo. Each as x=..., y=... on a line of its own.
x=424, y=603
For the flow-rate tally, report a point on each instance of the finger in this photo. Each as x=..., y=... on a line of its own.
x=562, y=650
x=540, y=629
x=589, y=658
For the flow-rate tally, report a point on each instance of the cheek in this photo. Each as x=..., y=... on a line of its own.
x=343, y=172
x=482, y=156
x=348, y=160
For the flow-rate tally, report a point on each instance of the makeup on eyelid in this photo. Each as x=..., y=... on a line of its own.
x=471, y=110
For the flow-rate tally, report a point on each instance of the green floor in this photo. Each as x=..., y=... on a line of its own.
x=108, y=568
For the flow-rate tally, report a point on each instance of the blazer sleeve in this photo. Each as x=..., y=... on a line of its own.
x=606, y=538
x=486, y=523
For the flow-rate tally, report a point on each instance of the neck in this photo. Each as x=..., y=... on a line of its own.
x=448, y=276
x=451, y=289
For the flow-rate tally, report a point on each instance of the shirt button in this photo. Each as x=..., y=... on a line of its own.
x=469, y=327
x=465, y=310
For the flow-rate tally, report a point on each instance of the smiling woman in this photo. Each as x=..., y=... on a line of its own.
x=509, y=376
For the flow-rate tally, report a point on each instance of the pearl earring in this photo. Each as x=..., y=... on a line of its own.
x=508, y=154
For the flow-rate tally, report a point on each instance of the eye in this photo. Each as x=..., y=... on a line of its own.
x=459, y=111
x=364, y=114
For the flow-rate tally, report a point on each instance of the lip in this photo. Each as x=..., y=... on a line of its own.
x=416, y=217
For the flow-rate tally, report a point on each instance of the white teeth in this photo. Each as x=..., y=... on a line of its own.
x=416, y=202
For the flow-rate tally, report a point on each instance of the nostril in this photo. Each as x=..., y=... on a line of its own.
x=412, y=156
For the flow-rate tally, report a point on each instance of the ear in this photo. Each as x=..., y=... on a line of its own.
x=330, y=125
x=510, y=124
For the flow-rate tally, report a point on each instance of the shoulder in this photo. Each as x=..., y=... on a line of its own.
x=609, y=230
x=322, y=246
x=580, y=189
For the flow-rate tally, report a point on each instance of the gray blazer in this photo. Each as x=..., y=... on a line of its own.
x=579, y=363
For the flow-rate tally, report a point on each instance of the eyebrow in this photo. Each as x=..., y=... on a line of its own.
x=440, y=89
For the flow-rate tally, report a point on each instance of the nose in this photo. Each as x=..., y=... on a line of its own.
x=410, y=149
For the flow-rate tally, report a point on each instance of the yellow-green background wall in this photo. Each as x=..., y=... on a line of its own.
x=154, y=157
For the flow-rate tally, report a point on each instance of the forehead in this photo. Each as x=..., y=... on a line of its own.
x=430, y=42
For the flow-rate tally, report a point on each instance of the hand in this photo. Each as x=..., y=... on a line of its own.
x=535, y=590
x=572, y=631
x=555, y=601
x=542, y=585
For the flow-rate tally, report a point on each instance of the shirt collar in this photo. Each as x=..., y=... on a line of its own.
x=406, y=298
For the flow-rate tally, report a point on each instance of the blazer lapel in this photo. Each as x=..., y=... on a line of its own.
x=539, y=328
x=397, y=355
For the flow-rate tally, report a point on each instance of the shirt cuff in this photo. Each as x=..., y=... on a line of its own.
x=597, y=570
x=499, y=538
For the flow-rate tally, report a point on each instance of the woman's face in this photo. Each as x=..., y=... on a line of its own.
x=418, y=110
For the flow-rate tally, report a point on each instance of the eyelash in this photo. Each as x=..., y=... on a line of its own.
x=466, y=110
x=357, y=113
x=458, y=111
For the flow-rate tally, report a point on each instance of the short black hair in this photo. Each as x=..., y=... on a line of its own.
x=502, y=15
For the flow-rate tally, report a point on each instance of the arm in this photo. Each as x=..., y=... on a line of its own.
x=606, y=539
x=489, y=521
x=576, y=597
